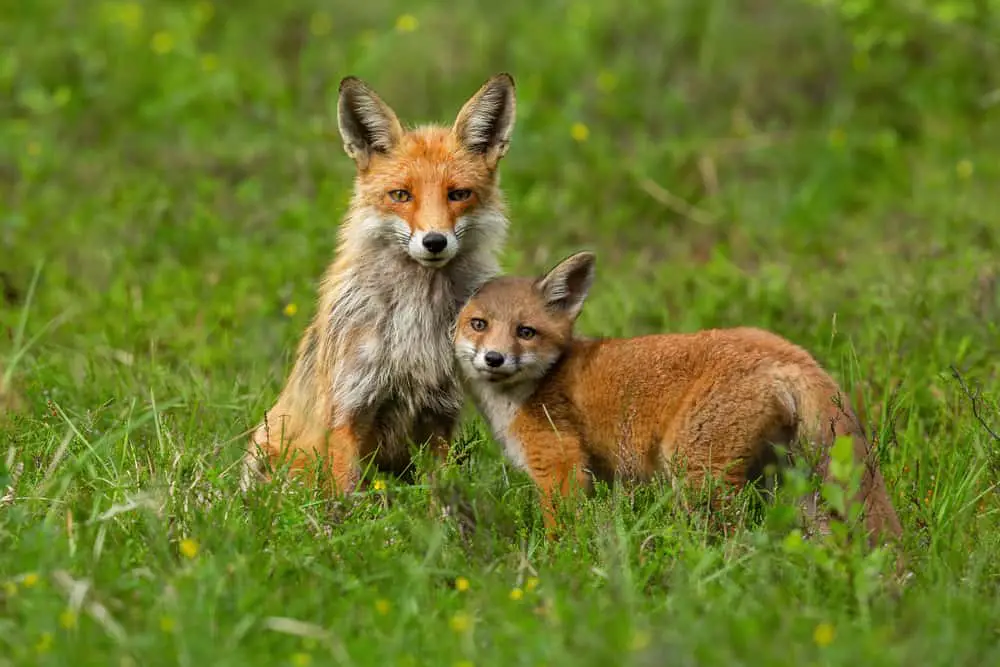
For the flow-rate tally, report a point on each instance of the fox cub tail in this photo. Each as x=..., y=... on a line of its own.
x=823, y=415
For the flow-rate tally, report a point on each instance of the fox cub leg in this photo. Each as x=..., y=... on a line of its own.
x=558, y=466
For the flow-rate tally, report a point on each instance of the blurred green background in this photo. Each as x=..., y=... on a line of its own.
x=779, y=153
x=171, y=180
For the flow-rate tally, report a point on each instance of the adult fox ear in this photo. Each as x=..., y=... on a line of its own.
x=367, y=124
x=486, y=121
x=565, y=287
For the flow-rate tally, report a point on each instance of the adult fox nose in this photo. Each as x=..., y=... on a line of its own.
x=435, y=242
x=493, y=359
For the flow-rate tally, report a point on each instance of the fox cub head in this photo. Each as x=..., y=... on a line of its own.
x=431, y=190
x=513, y=330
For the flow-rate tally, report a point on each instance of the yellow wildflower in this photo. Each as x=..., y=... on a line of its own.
x=530, y=584
x=379, y=485
x=823, y=634
x=67, y=619
x=62, y=96
x=579, y=132
x=460, y=622
x=203, y=12
x=461, y=584
x=407, y=23
x=209, y=62
x=130, y=15
x=516, y=594
x=291, y=309
x=640, y=640
x=607, y=81
x=189, y=547
x=126, y=14
x=44, y=644
x=30, y=580
x=163, y=42
x=382, y=606
x=836, y=138
x=320, y=24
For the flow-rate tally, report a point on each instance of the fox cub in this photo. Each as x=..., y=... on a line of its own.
x=375, y=369
x=565, y=408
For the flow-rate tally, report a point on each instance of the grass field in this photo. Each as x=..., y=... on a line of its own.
x=171, y=180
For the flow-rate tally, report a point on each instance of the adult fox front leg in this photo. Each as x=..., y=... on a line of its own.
x=425, y=226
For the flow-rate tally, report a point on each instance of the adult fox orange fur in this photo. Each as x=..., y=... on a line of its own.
x=375, y=370
x=565, y=408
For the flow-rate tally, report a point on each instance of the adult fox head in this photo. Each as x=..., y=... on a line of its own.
x=431, y=191
x=513, y=329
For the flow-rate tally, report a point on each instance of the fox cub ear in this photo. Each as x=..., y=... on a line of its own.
x=367, y=124
x=485, y=123
x=565, y=287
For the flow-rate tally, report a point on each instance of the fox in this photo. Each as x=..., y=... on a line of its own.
x=374, y=370
x=569, y=410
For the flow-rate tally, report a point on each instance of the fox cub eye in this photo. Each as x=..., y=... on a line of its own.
x=525, y=333
x=459, y=194
x=400, y=196
x=477, y=324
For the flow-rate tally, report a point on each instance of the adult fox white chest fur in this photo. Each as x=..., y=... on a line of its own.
x=375, y=371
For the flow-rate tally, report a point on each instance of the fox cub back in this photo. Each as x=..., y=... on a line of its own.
x=375, y=371
x=567, y=409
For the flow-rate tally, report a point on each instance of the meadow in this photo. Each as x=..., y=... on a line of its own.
x=171, y=180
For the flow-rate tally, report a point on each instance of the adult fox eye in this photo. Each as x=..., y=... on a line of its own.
x=525, y=333
x=400, y=196
x=459, y=194
x=477, y=324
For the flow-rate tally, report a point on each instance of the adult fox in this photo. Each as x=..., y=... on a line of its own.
x=375, y=370
x=716, y=401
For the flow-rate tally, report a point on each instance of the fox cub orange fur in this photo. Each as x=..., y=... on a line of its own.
x=565, y=408
x=375, y=369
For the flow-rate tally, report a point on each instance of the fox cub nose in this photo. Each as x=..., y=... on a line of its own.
x=435, y=242
x=493, y=359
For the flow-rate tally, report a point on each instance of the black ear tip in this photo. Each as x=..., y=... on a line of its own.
x=351, y=83
x=503, y=78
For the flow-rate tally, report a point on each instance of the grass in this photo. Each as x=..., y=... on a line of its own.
x=170, y=186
